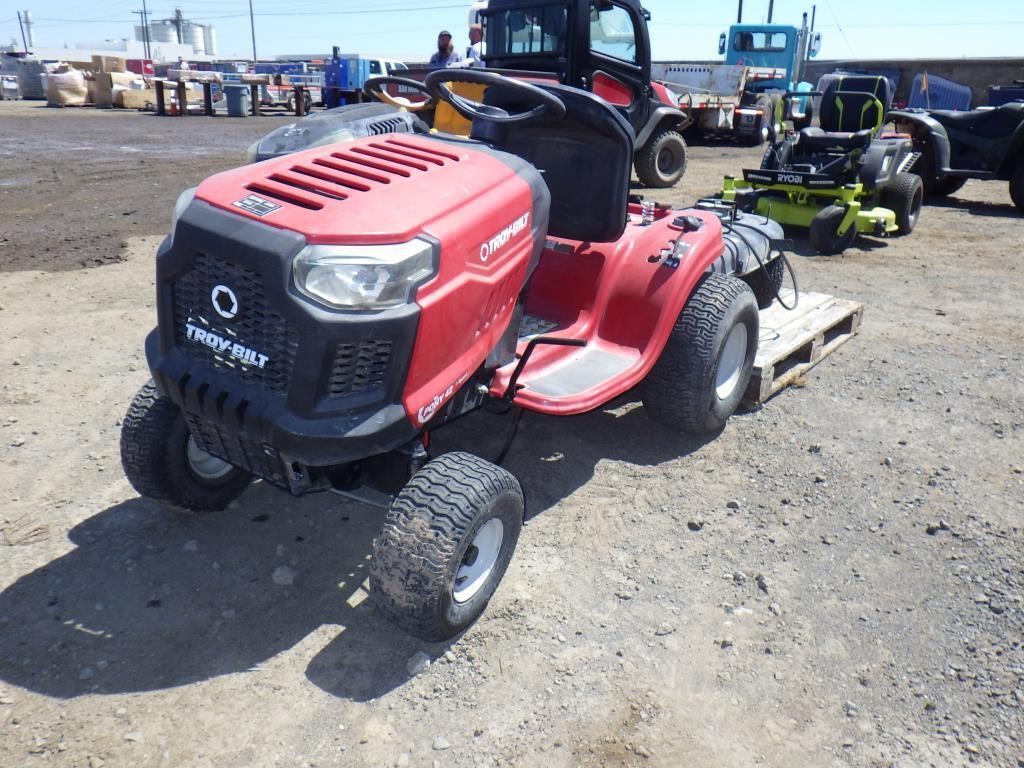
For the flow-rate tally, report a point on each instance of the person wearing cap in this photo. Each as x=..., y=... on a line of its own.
x=446, y=55
x=475, y=51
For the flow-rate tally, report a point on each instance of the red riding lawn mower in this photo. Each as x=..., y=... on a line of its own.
x=320, y=314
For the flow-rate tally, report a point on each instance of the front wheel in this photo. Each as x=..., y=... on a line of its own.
x=824, y=232
x=164, y=462
x=904, y=197
x=446, y=542
x=703, y=371
x=661, y=162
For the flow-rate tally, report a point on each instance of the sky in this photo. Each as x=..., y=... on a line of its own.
x=407, y=29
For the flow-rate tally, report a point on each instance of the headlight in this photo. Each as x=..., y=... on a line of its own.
x=364, y=276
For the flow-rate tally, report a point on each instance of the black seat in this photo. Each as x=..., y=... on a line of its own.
x=853, y=109
x=585, y=157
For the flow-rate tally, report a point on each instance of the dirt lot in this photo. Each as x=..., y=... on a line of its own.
x=836, y=579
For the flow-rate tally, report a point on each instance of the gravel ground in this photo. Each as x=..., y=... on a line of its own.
x=834, y=580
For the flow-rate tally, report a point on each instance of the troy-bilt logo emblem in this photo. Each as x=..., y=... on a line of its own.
x=225, y=302
x=256, y=205
x=426, y=413
x=225, y=345
x=501, y=239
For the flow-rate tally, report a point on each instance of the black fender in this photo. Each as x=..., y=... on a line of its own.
x=927, y=129
x=1015, y=155
x=661, y=116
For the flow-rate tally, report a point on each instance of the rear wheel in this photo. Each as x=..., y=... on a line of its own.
x=761, y=131
x=1017, y=186
x=163, y=461
x=661, y=162
x=824, y=231
x=947, y=185
x=904, y=197
x=703, y=371
x=766, y=281
x=446, y=542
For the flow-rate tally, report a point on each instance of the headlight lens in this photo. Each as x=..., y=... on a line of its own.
x=364, y=276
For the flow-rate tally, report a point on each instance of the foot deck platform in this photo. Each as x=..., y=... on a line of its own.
x=793, y=342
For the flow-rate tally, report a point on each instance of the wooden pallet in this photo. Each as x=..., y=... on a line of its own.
x=792, y=343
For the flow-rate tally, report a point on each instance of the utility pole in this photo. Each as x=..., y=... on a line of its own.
x=177, y=24
x=771, y=7
x=739, y=13
x=145, y=29
x=252, y=26
x=21, y=26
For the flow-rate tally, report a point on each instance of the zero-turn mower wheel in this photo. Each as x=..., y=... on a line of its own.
x=824, y=231
x=904, y=197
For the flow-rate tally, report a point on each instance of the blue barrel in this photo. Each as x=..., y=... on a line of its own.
x=238, y=100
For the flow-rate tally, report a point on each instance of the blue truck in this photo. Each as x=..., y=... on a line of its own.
x=345, y=74
x=737, y=97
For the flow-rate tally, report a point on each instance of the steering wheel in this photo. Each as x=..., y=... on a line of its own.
x=542, y=102
x=374, y=89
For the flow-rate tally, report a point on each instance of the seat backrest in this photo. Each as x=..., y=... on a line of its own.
x=855, y=103
x=585, y=157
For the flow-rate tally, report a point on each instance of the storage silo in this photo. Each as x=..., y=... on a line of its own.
x=192, y=34
x=163, y=31
x=209, y=39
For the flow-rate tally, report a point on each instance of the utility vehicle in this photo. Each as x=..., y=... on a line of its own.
x=320, y=314
x=839, y=178
x=957, y=146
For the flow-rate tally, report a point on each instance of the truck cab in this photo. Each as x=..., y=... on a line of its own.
x=601, y=46
x=769, y=45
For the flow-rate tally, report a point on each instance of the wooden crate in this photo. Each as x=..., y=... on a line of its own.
x=793, y=342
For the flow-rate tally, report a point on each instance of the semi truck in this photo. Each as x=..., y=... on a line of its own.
x=736, y=98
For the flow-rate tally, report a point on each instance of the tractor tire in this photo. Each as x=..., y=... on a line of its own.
x=445, y=544
x=702, y=373
x=824, y=231
x=904, y=196
x=766, y=282
x=162, y=461
x=933, y=184
x=1017, y=186
x=661, y=162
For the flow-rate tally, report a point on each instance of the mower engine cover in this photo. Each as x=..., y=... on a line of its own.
x=347, y=123
x=319, y=308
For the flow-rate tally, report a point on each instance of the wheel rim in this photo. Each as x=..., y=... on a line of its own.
x=205, y=465
x=666, y=160
x=479, y=561
x=730, y=362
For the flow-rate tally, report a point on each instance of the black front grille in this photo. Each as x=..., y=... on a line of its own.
x=261, y=460
x=359, y=367
x=258, y=329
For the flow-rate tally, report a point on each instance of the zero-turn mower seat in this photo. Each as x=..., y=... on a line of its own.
x=586, y=158
x=853, y=110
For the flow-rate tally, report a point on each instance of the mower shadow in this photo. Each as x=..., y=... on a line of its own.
x=556, y=455
x=976, y=207
x=802, y=247
x=148, y=600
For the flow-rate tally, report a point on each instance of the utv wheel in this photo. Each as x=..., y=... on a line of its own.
x=446, y=542
x=703, y=371
x=824, y=232
x=661, y=162
x=766, y=282
x=164, y=463
x=904, y=197
x=1017, y=186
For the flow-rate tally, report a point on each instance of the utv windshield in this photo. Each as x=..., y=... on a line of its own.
x=526, y=31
